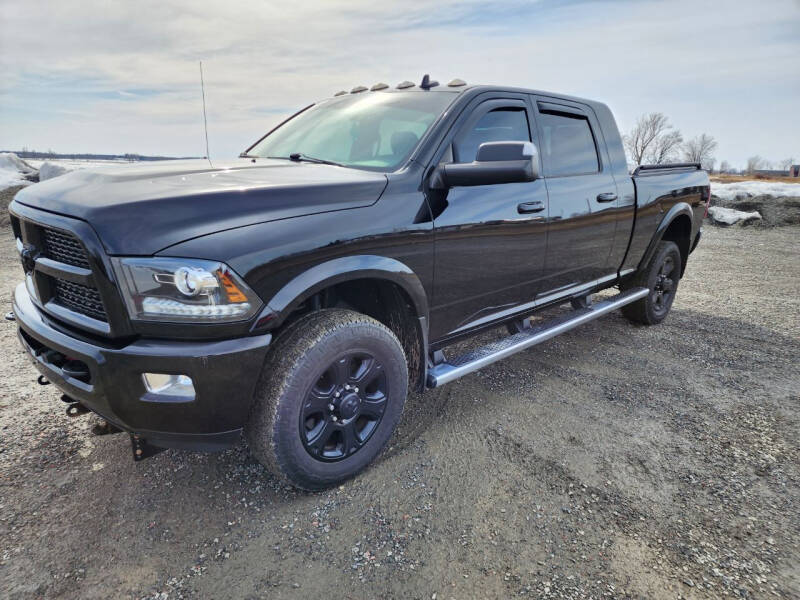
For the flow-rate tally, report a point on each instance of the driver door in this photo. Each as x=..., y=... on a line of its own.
x=490, y=240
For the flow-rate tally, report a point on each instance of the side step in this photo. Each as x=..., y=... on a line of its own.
x=446, y=372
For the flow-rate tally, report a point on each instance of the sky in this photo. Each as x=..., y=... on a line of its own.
x=117, y=77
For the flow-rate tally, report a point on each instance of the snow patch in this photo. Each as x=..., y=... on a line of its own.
x=13, y=170
x=729, y=216
x=729, y=191
x=48, y=170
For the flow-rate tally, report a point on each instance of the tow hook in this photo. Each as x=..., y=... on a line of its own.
x=76, y=409
x=42, y=380
x=142, y=449
x=10, y=316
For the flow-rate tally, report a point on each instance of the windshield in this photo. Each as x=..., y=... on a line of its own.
x=374, y=131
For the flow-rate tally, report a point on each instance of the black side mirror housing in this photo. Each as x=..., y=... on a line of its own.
x=495, y=162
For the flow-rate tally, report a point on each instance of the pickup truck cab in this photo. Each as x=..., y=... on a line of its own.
x=297, y=292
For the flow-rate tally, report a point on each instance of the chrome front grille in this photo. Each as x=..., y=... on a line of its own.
x=63, y=247
x=79, y=298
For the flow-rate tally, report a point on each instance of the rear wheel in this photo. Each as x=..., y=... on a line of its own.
x=330, y=395
x=661, y=277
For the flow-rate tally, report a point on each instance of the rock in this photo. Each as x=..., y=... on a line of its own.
x=49, y=170
x=729, y=216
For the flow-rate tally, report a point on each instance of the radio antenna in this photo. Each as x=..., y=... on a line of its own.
x=205, y=121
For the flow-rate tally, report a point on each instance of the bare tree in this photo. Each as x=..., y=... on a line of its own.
x=664, y=148
x=724, y=167
x=646, y=135
x=786, y=163
x=754, y=163
x=700, y=149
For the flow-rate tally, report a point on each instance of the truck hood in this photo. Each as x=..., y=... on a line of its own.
x=142, y=208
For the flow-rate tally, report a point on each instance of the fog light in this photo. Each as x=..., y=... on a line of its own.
x=163, y=384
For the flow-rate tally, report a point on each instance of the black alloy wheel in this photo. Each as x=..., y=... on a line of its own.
x=344, y=407
x=663, y=292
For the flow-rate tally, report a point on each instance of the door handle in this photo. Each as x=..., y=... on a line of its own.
x=607, y=197
x=530, y=207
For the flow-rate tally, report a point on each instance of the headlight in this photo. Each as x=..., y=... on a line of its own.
x=183, y=289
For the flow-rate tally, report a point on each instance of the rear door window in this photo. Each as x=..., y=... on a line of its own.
x=567, y=145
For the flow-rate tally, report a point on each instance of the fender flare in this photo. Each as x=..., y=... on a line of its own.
x=338, y=270
x=681, y=208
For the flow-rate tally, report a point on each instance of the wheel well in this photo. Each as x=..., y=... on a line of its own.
x=384, y=301
x=680, y=232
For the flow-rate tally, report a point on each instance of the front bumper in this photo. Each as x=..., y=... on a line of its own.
x=224, y=373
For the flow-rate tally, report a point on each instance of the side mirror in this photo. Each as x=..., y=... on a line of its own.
x=496, y=162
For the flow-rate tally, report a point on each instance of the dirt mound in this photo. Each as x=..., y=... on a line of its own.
x=6, y=196
x=774, y=210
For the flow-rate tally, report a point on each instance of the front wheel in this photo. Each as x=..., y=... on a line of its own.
x=330, y=395
x=661, y=277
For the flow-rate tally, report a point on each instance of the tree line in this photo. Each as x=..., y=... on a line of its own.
x=654, y=140
x=129, y=156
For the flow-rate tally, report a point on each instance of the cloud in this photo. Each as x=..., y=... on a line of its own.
x=83, y=76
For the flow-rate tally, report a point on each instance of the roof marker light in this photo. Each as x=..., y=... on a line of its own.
x=340, y=93
x=405, y=84
x=358, y=89
x=378, y=86
x=456, y=82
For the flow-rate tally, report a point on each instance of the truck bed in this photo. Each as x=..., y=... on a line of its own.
x=659, y=190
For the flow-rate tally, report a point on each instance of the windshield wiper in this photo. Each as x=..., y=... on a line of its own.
x=299, y=156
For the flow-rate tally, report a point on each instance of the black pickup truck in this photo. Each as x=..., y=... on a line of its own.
x=298, y=292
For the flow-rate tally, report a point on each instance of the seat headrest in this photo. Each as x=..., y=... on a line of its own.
x=403, y=141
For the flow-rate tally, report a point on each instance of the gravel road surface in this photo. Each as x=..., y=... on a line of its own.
x=614, y=461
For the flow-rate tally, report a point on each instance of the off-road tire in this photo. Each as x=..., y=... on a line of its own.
x=294, y=365
x=648, y=311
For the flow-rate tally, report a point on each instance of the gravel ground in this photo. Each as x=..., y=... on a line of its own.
x=615, y=461
x=6, y=196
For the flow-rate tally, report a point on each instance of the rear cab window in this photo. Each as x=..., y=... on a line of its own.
x=568, y=145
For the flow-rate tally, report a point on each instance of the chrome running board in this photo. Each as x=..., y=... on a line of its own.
x=447, y=371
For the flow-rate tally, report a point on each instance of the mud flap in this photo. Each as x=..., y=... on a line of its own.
x=141, y=449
